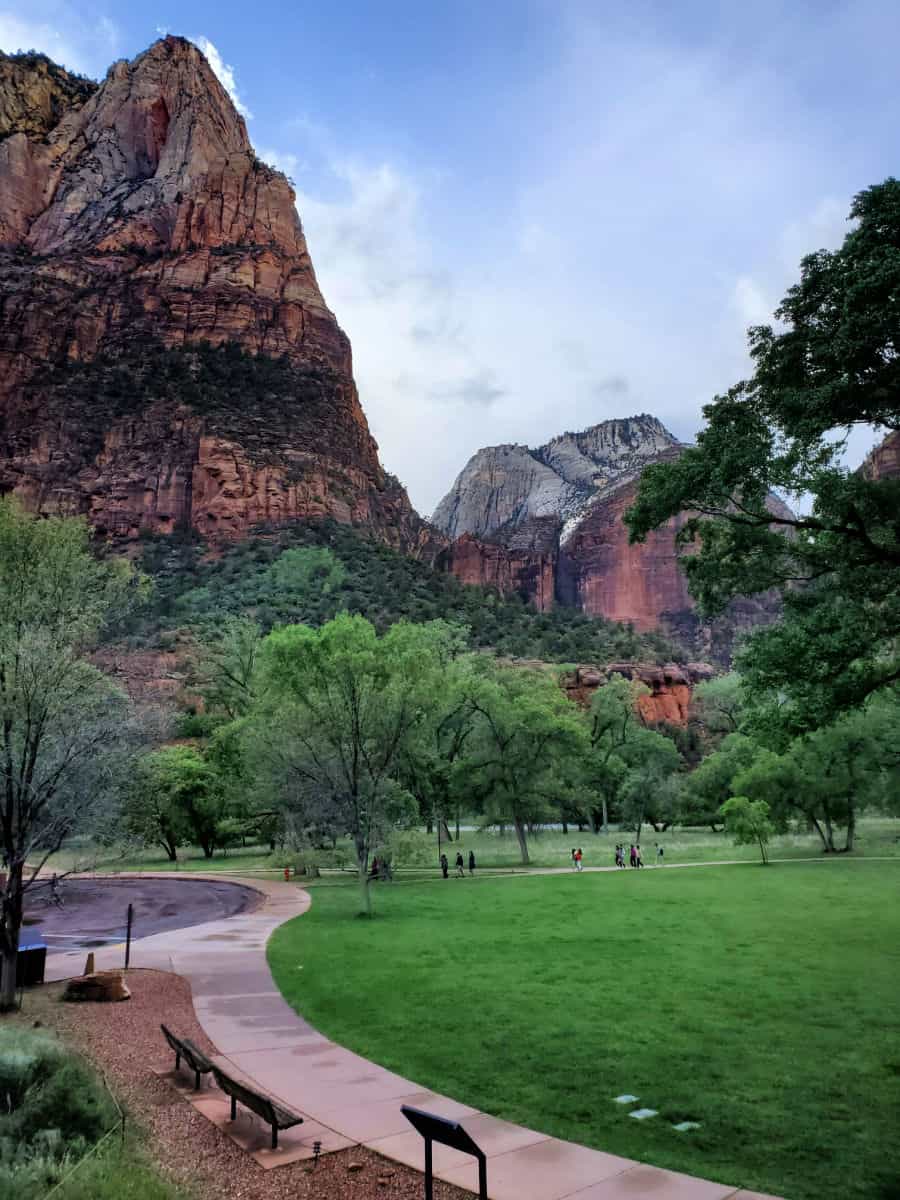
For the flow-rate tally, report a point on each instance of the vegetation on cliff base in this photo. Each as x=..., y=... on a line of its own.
x=831, y=366
x=309, y=573
x=261, y=402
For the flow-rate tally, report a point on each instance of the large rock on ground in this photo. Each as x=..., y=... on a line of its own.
x=102, y=987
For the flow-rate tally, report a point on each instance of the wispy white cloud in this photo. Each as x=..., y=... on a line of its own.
x=224, y=72
x=64, y=40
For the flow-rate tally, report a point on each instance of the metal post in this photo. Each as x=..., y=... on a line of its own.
x=128, y=935
x=429, y=1177
x=482, y=1178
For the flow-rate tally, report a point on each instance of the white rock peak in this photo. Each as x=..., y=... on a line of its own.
x=504, y=487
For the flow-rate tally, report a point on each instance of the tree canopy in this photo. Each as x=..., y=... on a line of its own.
x=63, y=732
x=832, y=364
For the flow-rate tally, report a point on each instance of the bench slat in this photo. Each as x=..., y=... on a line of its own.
x=273, y=1114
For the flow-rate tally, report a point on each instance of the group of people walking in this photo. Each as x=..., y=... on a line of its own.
x=634, y=856
x=460, y=865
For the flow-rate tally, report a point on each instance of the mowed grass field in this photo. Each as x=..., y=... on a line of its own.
x=416, y=851
x=763, y=1003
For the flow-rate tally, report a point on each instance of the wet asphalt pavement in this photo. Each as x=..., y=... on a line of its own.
x=93, y=912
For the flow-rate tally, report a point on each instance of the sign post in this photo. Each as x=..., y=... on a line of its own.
x=448, y=1133
x=128, y=935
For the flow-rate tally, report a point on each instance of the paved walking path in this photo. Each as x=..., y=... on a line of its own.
x=349, y=1100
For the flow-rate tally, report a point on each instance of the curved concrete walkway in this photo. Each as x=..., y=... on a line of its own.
x=349, y=1100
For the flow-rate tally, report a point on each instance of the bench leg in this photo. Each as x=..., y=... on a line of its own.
x=233, y=1109
x=196, y=1081
x=274, y=1137
x=177, y=1061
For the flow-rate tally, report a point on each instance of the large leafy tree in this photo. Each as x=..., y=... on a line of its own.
x=62, y=723
x=832, y=363
x=340, y=706
x=529, y=746
x=628, y=762
x=177, y=795
x=828, y=776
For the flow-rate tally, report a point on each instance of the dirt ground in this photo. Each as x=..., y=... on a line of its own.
x=93, y=912
x=124, y=1041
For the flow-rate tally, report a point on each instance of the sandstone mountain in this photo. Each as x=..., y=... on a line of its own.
x=167, y=360
x=548, y=523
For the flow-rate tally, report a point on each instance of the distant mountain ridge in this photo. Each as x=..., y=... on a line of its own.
x=548, y=523
x=503, y=488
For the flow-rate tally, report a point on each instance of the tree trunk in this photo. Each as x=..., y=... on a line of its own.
x=762, y=850
x=523, y=842
x=829, y=831
x=208, y=849
x=605, y=818
x=171, y=850
x=851, y=825
x=13, y=899
x=565, y=826
x=446, y=829
x=362, y=867
x=429, y=826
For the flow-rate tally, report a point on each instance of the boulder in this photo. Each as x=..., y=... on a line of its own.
x=102, y=986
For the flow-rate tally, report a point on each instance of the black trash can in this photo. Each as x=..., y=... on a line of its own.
x=31, y=961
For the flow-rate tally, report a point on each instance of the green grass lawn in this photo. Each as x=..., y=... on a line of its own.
x=877, y=837
x=762, y=1002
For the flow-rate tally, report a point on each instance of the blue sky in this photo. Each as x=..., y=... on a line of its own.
x=532, y=216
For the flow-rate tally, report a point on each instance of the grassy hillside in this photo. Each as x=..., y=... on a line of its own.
x=342, y=569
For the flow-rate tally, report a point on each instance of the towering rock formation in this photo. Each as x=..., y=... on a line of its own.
x=883, y=462
x=548, y=523
x=166, y=357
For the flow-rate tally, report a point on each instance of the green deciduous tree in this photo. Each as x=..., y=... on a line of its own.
x=341, y=704
x=719, y=704
x=748, y=820
x=626, y=759
x=530, y=745
x=63, y=729
x=833, y=363
x=177, y=796
x=707, y=788
x=829, y=776
x=227, y=670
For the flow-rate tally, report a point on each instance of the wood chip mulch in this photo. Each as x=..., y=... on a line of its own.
x=123, y=1040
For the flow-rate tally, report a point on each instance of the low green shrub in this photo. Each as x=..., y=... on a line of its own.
x=53, y=1110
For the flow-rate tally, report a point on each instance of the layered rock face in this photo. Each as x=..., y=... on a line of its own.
x=671, y=687
x=557, y=510
x=167, y=359
x=548, y=524
x=884, y=461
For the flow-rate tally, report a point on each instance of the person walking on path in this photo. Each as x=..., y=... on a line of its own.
x=660, y=854
x=617, y=856
x=445, y=865
x=471, y=862
x=637, y=856
x=578, y=858
x=633, y=857
x=460, y=869
x=574, y=859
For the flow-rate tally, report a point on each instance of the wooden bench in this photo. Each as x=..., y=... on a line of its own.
x=263, y=1106
x=192, y=1055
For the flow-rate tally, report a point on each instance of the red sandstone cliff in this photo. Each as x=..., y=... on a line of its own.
x=884, y=461
x=671, y=687
x=548, y=524
x=139, y=232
